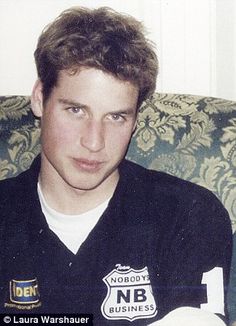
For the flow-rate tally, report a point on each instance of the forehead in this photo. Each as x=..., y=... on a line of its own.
x=91, y=87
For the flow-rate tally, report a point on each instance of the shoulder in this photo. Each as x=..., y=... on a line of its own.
x=180, y=201
x=190, y=216
x=14, y=198
x=167, y=184
x=8, y=188
x=17, y=195
x=22, y=183
x=11, y=186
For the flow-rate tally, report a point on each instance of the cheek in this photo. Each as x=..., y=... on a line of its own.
x=56, y=133
x=119, y=140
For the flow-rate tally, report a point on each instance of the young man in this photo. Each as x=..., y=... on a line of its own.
x=84, y=230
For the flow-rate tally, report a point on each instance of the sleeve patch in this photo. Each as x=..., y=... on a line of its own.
x=215, y=290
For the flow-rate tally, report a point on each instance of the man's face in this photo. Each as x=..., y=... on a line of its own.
x=87, y=124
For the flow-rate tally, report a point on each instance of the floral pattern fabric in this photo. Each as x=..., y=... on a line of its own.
x=192, y=137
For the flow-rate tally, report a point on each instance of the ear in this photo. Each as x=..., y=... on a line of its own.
x=37, y=99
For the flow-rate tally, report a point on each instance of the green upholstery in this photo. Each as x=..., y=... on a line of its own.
x=192, y=137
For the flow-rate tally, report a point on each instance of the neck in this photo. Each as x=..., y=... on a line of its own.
x=67, y=199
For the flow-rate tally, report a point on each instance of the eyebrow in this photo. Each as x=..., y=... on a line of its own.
x=128, y=111
x=70, y=102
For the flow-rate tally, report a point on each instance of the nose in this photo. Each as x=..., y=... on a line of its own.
x=93, y=136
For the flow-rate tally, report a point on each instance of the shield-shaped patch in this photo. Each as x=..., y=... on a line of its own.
x=129, y=295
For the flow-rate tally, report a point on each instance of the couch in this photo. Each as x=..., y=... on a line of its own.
x=192, y=137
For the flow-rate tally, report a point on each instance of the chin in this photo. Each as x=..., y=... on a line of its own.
x=85, y=185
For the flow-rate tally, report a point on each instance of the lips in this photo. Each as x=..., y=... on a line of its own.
x=88, y=165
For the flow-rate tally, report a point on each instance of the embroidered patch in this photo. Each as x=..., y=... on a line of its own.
x=24, y=294
x=129, y=295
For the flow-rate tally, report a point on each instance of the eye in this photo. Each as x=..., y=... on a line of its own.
x=117, y=117
x=74, y=109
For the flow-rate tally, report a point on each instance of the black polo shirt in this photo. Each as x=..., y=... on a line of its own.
x=145, y=257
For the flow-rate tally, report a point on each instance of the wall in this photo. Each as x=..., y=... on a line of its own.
x=196, y=41
x=225, y=51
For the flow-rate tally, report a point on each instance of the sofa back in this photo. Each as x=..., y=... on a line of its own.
x=192, y=137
